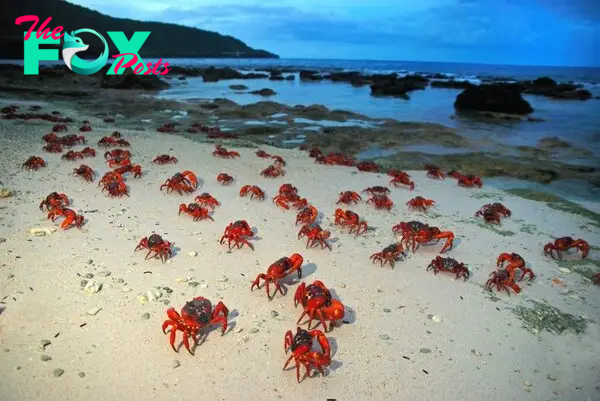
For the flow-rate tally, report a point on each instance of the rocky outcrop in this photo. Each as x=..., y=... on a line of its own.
x=497, y=98
x=398, y=87
x=129, y=80
x=213, y=74
x=238, y=87
x=545, y=86
x=451, y=84
x=310, y=76
x=264, y=92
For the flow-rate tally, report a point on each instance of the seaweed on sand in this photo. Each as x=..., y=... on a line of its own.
x=487, y=195
x=557, y=203
x=581, y=266
x=542, y=316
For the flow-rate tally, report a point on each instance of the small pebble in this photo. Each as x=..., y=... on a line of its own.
x=274, y=313
x=183, y=279
x=45, y=358
x=239, y=330
x=94, y=311
x=254, y=330
x=223, y=279
x=475, y=352
x=58, y=372
x=146, y=316
x=528, y=383
x=386, y=310
x=384, y=337
x=126, y=289
x=425, y=350
x=176, y=364
x=564, y=270
x=436, y=318
x=81, y=374
x=193, y=284
x=104, y=273
x=192, y=253
x=93, y=287
x=343, y=285
x=142, y=299
x=44, y=344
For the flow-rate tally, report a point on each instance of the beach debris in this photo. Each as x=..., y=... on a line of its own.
x=278, y=270
x=384, y=337
x=436, y=319
x=94, y=311
x=145, y=316
x=58, y=372
x=254, y=330
x=142, y=299
x=564, y=270
x=41, y=231
x=45, y=358
x=6, y=193
x=92, y=287
x=44, y=344
x=183, y=279
x=425, y=351
x=195, y=315
x=81, y=374
x=103, y=273
x=176, y=364
x=542, y=316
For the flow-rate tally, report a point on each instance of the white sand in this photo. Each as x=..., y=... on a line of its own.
x=478, y=351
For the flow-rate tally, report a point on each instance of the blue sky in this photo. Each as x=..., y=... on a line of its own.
x=526, y=32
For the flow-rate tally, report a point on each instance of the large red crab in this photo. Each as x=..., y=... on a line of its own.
x=503, y=279
x=515, y=262
x=34, y=163
x=196, y=211
x=349, y=197
x=117, y=154
x=563, y=244
x=469, y=181
x=428, y=234
x=238, y=232
x=301, y=345
x=272, y=172
x=85, y=172
x=262, y=154
x=205, y=199
x=408, y=229
x=449, y=265
x=72, y=155
x=53, y=148
x=254, y=190
x=308, y=215
x=278, y=270
x=315, y=234
x=220, y=151
x=492, y=212
x=115, y=188
x=318, y=303
x=389, y=254
x=434, y=172
x=377, y=190
x=370, y=167
x=347, y=218
x=165, y=159
x=195, y=315
x=130, y=168
x=71, y=218
x=88, y=152
x=155, y=243
x=402, y=178
x=420, y=204
x=381, y=202
x=181, y=182
x=54, y=200
x=224, y=179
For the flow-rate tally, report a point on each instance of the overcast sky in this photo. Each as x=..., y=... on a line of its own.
x=529, y=32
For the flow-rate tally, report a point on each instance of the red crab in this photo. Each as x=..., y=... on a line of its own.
x=117, y=154
x=34, y=163
x=253, y=190
x=308, y=215
x=389, y=254
x=53, y=148
x=348, y=197
x=428, y=234
x=86, y=127
x=195, y=316
x=564, y=244
x=220, y=151
x=272, y=172
x=205, y=199
x=88, y=152
x=279, y=162
x=262, y=154
x=164, y=159
x=284, y=198
x=318, y=303
x=71, y=218
x=155, y=243
x=370, y=167
x=224, y=179
x=492, y=212
x=408, y=229
x=515, y=262
x=434, y=172
x=115, y=188
x=596, y=279
x=111, y=176
x=301, y=345
x=420, y=204
x=196, y=211
x=377, y=190
x=54, y=200
x=288, y=189
x=315, y=234
x=381, y=202
x=118, y=162
x=278, y=270
x=129, y=168
x=85, y=172
x=315, y=152
x=72, y=155
x=238, y=232
x=503, y=279
x=347, y=218
x=469, y=181
x=181, y=182
x=401, y=178
x=59, y=128
x=449, y=265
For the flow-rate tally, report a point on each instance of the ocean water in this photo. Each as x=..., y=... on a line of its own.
x=576, y=121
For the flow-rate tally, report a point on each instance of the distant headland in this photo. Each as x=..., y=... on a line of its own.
x=166, y=40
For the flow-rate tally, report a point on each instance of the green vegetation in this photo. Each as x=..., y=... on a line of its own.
x=529, y=228
x=583, y=267
x=166, y=40
x=487, y=195
x=542, y=316
x=556, y=202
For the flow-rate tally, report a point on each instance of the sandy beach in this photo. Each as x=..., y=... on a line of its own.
x=408, y=334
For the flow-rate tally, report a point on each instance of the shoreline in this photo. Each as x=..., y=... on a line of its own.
x=417, y=328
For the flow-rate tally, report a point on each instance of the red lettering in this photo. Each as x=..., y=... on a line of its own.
x=28, y=18
x=165, y=70
x=149, y=70
x=57, y=31
x=43, y=30
x=130, y=63
x=154, y=70
x=138, y=68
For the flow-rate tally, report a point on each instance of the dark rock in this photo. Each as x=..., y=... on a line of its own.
x=290, y=78
x=399, y=86
x=264, y=92
x=129, y=80
x=498, y=98
x=553, y=143
x=310, y=76
x=545, y=86
x=276, y=77
x=238, y=87
x=209, y=106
